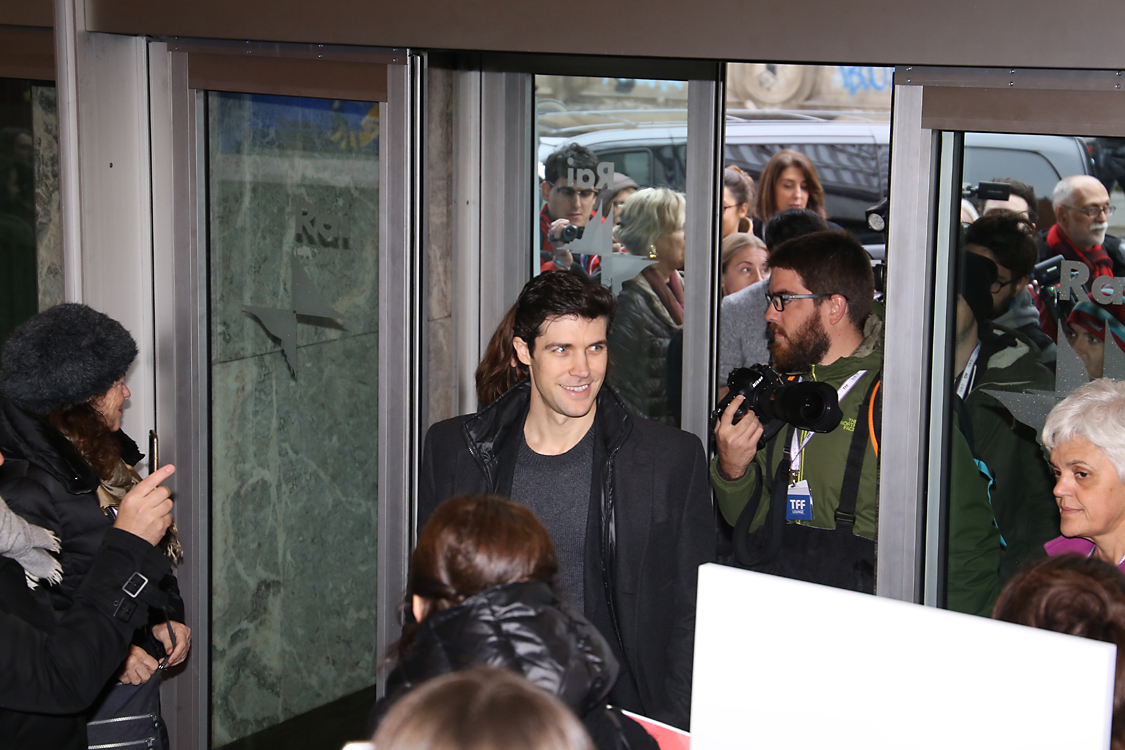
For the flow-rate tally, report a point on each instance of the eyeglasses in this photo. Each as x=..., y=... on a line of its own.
x=1094, y=211
x=998, y=285
x=569, y=192
x=780, y=300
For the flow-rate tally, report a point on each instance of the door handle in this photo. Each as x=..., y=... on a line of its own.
x=153, y=452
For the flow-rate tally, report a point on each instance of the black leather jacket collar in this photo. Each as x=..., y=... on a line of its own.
x=487, y=432
x=520, y=626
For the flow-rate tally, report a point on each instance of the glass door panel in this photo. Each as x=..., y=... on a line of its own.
x=806, y=149
x=293, y=223
x=599, y=142
x=1031, y=215
x=30, y=217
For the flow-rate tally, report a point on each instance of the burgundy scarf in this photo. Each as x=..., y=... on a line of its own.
x=670, y=293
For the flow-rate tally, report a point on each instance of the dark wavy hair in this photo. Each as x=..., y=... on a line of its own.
x=550, y=295
x=790, y=223
x=1009, y=237
x=472, y=543
x=781, y=161
x=1079, y=596
x=89, y=433
x=499, y=369
x=741, y=186
x=570, y=156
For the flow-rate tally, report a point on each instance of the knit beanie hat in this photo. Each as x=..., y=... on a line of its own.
x=1095, y=318
x=978, y=274
x=64, y=356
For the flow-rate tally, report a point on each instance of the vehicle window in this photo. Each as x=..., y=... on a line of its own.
x=1029, y=166
x=635, y=164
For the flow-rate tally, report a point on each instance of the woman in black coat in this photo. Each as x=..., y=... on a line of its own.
x=69, y=464
x=480, y=592
x=53, y=672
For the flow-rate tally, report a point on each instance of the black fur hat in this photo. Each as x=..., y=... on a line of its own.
x=64, y=356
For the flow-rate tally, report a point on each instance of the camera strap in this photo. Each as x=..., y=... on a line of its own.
x=796, y=447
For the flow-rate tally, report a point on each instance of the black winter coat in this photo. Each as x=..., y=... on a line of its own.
x=650, y=527
x=50, y=674
x=522, y=627
x=638, y=345
x=46, y=481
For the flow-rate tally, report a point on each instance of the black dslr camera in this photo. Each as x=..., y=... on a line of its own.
x=777, y=402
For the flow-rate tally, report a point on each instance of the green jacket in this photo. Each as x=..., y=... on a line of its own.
x=974, y=548
x=1023, y=490
x=822, y=461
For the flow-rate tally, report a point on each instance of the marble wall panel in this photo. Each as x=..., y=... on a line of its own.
x=48, y=208
x=441, y=370
x=294, y=457
x=254, y=238
x=294, y=509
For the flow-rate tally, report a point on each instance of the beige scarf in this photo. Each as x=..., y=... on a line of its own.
x=112, y=491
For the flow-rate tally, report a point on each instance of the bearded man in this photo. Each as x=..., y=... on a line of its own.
x=810, y=500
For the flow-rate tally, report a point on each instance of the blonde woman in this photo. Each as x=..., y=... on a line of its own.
x=650, y=308
x=745, y=261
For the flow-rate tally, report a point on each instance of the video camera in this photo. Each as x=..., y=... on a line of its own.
x=987, y=191
x=777, y=402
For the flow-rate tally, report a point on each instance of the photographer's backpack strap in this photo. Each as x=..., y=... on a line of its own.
x=849, y=492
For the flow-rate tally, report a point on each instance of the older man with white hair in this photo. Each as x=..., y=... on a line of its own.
x=1082, y=211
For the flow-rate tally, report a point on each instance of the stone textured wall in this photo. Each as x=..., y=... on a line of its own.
x=48, y=211
x=294, y=456
x=441, y=373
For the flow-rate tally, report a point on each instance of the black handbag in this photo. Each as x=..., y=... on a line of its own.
x=128, y=716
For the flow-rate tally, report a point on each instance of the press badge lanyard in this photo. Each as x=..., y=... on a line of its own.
x=965, y=381
x=796, y=447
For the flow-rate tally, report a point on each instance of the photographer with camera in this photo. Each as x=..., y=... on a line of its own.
x=820, y=325
x=804, y=505
x=566, y=210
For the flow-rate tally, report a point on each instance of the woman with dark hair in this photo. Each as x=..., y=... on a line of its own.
x=499, y=368
x=68, y=464
x=789, y=181
x=1075, y=595
x=738, y=201
x=480, y=591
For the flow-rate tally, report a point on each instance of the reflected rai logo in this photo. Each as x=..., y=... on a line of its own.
x=306, y=306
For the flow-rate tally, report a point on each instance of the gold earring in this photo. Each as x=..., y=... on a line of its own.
x=652, y=252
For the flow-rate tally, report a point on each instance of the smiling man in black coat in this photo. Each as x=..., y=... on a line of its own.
x=627, y=501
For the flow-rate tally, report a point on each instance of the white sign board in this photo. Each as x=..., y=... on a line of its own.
x=787, y=664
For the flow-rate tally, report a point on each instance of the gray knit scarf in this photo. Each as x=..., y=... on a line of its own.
x=30, y=546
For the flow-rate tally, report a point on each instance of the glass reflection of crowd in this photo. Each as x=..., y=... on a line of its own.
x=1007, y=325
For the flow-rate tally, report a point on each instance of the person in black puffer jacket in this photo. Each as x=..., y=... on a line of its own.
x=480, y=594
x=650, y=308
x=68, y=462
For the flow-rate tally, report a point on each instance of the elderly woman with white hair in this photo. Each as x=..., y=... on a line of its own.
x=1085, y=434
x=650, y=308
